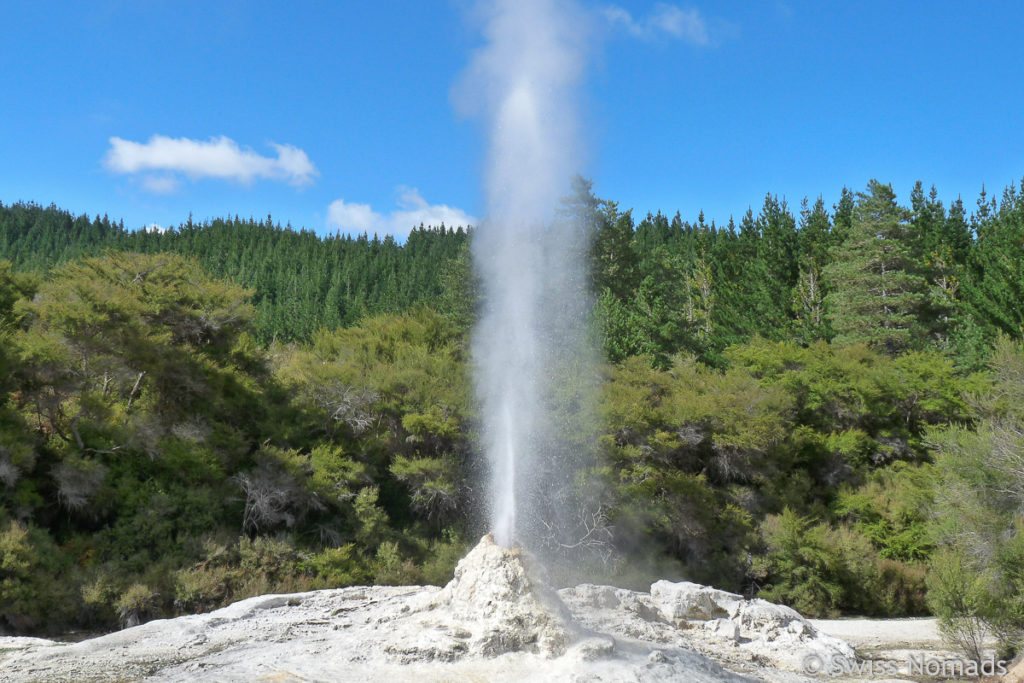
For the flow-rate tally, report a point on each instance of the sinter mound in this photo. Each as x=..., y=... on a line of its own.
x=495, y=621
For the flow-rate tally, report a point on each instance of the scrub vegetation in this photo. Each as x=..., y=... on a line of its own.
x=824, y=409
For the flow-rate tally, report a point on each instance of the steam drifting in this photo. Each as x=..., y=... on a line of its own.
x=529, y=346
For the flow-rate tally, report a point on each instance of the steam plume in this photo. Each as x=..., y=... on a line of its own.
x=530, y=346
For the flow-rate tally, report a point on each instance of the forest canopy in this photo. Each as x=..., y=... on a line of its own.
x=818, y=407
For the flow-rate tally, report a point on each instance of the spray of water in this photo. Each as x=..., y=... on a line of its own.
x=530, y=343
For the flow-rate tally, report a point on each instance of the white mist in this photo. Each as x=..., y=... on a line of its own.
x=531, y=261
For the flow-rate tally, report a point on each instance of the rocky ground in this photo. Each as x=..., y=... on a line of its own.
x=495, y=621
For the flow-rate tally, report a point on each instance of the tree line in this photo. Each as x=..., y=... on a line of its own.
x=896, y=277
x=900, y=277
x=300, y=281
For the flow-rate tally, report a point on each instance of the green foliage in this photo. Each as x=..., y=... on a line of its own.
x=460, y=289
x=390, y=568
x=438, y=567
x=815, y=238
x=821, y=570
x=372, y=520
x=140, y=405
x=335, y=567
x=433, y=483
x=870, y=409
x=891, y=509
x=33, y=595
x=301, y=282
x=99, y=600
x=994, y=289
x=803, y=566
x=137, y=605
x=699, y=457
x=242, y=570
x=877, y=293
x=958, y=595
x=237, y=377
x=976, y=586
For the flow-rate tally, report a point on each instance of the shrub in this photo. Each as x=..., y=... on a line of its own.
x=434, y=484
x=99, y=598
x=335, y=567
x=137, y=605
x=439, y=566
x=956, y=595
x=821, y=570
x=901, y=588
x=34, y=593
x=391, y=569
x=201, y=588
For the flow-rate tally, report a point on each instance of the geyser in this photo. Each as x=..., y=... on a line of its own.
x=529, y=347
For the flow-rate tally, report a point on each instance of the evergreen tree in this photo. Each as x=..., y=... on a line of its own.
x=615, y=265
x=876, y=292
x=777, y=249
x=301, y=282
x=813, y=242
x=700, y=301
x=842, y=215
x=995, y=290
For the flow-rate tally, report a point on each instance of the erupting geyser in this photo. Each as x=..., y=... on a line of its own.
x=530, y=257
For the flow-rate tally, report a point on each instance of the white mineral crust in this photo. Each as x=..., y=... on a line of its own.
x=495, y=621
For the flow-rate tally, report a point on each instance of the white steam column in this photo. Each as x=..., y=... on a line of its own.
x=531, y=261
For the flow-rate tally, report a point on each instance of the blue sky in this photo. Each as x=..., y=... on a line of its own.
x=150, y=111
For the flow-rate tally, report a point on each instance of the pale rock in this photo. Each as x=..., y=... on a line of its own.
x=724, y=629
x=1016, y=673
x=685, y=601
x=517, y=611
x=21, y=643
x=592, y=649
x=757, y=630
x=495, y=621
x=764, y=616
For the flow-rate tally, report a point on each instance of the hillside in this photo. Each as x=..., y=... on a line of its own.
x=186, y=420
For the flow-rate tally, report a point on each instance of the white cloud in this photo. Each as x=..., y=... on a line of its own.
x=412, y=210
x=161, y=157
x=154, y=227
x=666, y=20
x=352, y=217
x=160, y=184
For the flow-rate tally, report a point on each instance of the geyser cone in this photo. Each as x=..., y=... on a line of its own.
x=503, y=590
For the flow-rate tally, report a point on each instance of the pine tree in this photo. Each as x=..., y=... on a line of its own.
x=876, y=292
x=699, y=299
x=777, y=249
x=842, y=215
x=814, y=240
x=995, y=290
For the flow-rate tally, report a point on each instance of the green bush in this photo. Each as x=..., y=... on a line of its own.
x=824, y=571
x=957, y=595
x=800, y=567
x=202, y=588
x=99, y=599
x=901, y=589
x=891, y=509
x=138, y=604
x=34, y=591
x=335, y=567
x=438, y=567
x=390, y=568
